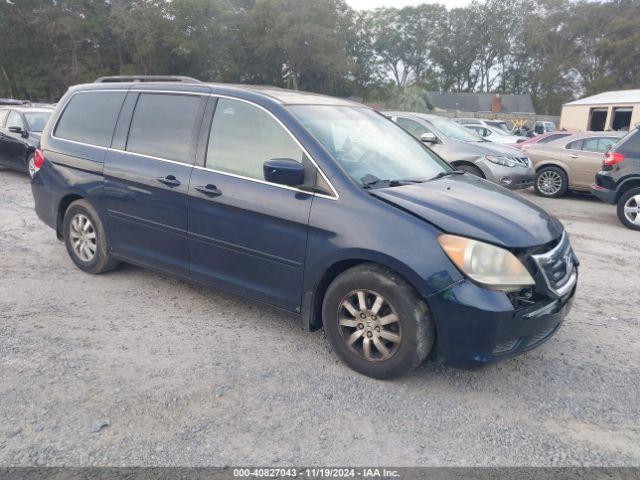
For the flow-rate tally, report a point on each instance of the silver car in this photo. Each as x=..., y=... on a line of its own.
x=461, y=148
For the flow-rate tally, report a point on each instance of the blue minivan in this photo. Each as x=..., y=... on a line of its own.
x=316, y=205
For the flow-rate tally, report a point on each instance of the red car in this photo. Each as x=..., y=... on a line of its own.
x=543, y=138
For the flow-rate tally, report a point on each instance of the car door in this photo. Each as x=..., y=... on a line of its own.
x=13, y=145
x=587, y=161
x=146, y=178
x=246, y=235
x=3, y=117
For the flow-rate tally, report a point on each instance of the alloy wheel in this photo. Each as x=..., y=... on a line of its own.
x=632, y=209
x=83, y=237
x=549, y=182
x=369, y=325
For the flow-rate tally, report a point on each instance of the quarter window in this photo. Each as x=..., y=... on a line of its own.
x=90, y=118
x=163, y=126
x=243, y=137
x=575, y=145
x=14, y=120
x=631, y=145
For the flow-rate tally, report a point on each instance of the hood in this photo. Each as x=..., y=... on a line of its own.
x=472, y=207
x=488, y=148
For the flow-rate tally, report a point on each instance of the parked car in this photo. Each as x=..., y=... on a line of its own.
x=618, y=181
x=468, y=152
x=313, y=204
x=542, y=139
x=20, y=130
x=485, y=122
x=541, y=127
x=569, y=163
x=494, y=134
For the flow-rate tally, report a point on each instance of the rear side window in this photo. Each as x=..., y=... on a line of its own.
x=598, y=145
x=630, y=145
x=243, y=137
x=162, y=126
x=90, y=118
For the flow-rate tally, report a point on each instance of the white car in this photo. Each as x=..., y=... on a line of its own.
x=495, y=134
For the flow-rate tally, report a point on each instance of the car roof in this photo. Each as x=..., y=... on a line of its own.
x=564, y=140
x=27, y=109
x=274, y=94
x=416, y=115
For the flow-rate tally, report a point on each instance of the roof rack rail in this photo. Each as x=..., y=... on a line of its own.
x=146, y=78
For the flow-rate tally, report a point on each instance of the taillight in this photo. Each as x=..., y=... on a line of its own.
x=612, y=158
x=38, y=159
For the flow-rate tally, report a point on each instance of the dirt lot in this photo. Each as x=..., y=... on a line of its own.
x=136, y=368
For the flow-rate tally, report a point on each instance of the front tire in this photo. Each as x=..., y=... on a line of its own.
x=551, y=182
x=376, y=322
x=85, y=238
x=628, y=209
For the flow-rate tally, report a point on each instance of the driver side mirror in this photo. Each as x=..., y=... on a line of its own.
x=428, y=137
x=19, y=130
x=283, y=171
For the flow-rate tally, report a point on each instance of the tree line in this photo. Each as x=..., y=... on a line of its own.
x=554, y=50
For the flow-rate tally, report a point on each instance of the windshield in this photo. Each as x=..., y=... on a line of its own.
x=500, y=126
x=367, y=145
x=37, y=120
x=452, y=130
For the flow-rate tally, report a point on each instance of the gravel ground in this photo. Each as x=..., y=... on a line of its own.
x=136, y=368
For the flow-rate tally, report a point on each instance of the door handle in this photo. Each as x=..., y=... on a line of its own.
x=209, y=190
x=169, y=180
x=573, y=155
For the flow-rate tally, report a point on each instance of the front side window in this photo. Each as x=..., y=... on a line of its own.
x=3, y=117
x=367, y=145
x=90, y=117
x=37, y=120
x=162, y=126
x=14, y=120
x=243, y=137
x=411, y=126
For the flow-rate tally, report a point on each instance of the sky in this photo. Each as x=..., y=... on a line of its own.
x=368, y=4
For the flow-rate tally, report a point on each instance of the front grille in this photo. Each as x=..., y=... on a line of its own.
x=558, y=267
x=524, y=343
x=534, y=339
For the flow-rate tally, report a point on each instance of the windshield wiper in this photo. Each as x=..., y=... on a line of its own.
x=446, y=174
x=371, y=181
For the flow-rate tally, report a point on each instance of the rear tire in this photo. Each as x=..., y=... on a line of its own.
x=31, y=167
x=628, y=209
x=470, y=169
x=85, y=238
x=376, y=322
x=551, y=182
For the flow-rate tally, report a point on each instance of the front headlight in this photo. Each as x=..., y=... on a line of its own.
x=491, y=267
x=504, y=161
